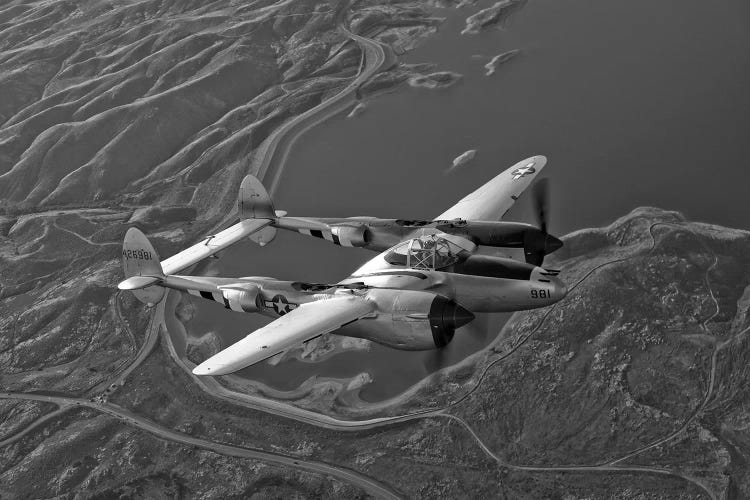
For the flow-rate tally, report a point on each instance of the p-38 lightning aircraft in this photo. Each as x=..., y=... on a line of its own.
x=428, y=281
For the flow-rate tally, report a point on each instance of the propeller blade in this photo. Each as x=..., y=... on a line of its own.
x=534, y=247
x=538, y=244
x=472, y=336
x=540, y=192
x=436, y=359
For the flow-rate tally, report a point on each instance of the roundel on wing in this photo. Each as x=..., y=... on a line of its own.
x=280, y=304
x=523, y=171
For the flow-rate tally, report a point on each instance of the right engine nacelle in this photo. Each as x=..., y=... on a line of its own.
x=414, y=320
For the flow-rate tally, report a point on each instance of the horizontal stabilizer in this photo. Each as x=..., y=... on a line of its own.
x=213, y=244
x=139, y=282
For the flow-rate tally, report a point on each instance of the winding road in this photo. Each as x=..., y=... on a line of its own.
x=128, y=417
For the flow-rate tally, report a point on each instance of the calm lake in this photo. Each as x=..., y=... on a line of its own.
x=634, y=103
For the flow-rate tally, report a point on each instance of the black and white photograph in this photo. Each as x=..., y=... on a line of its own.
x=387, y=249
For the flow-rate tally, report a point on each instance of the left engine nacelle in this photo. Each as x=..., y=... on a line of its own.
x=350, y=236
x=244, y=298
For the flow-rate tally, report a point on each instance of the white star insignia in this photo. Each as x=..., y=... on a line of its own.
x=523, y=171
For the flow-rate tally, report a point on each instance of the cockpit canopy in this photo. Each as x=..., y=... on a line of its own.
x=430, y=252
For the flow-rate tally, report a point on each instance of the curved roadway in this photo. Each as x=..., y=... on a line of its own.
x=66, y=403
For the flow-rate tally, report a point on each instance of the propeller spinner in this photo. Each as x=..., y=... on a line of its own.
x=538, y=244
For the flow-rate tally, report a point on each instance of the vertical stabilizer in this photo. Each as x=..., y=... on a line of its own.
x=255, y=203
x=254, y=200
x=139, y=259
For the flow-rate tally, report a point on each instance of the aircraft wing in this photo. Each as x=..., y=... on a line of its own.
x=491, y=201
x=306, y=322
x=213, y=244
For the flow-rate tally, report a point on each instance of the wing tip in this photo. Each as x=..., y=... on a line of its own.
x=540, y=160
x=208, y=369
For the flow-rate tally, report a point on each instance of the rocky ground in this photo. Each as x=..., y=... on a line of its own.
x=111, y=109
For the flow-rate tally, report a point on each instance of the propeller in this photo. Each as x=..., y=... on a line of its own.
x=537, y=244
x=468, y=339
x=437, y=359
x=540, y=193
